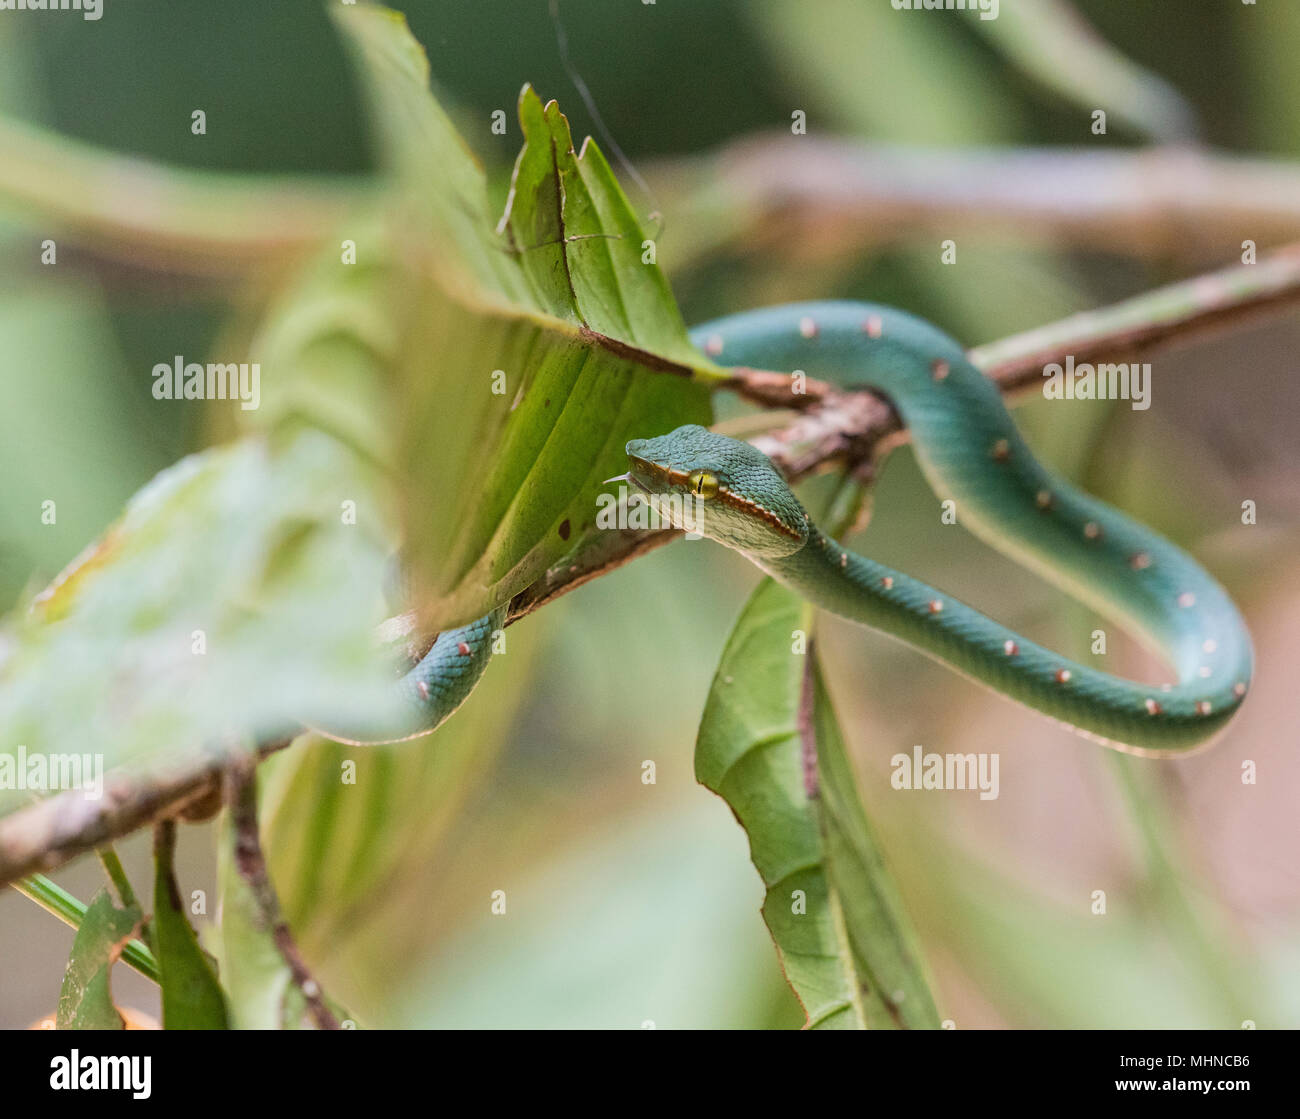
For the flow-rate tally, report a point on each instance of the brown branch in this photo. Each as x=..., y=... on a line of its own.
x=830, y=427
x=855, y=428
x=827, y=198
x=53, y=831
x=241, y=796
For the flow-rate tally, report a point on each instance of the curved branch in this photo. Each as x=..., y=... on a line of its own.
x=856, y=427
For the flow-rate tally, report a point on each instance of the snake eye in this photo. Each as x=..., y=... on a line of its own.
x=703, y=484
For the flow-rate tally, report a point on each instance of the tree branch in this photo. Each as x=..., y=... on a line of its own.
x=53, y=831
x=822, y=197
x=241, y=796
x=829, y=427
x=855, y=428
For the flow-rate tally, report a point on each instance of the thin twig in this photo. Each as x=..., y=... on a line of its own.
x=241, y=796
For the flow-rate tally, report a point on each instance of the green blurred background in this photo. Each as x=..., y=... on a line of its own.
x=630, y=903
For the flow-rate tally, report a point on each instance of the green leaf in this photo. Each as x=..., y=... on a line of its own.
x=769, y=745
x=86, y=1001
x=191, y=995
x=243, y=548
x=531, y=351
x=230, y=599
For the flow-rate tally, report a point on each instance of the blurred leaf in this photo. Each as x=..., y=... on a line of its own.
x=61, y=328
x=1049, y=965
x=641, y=921
x=530, y=353
x=246, y=545
x=886, y=75
x=191, y=996
x=230, y=598
x=86, y=1002
x=831, y=907
x=1051, y=42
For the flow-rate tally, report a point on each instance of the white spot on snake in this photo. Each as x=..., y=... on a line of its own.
x=1239, y=690
x=1001, y=451
x=1186, y=599
x=1209, y=645
x=886, y=581
x=807, y=327
x=844, y=559
x=935, y=606
x=1092, y=530
x=873, y=327
x=1153, y=708
x=1010, y=648
x=1139, y=561
x=1203, y=671
x=422, y=688
x=462, y=649
x=1043, y=499
x=1202, y=706
x=713, y=345
x=1062, y=676
x=939, y=369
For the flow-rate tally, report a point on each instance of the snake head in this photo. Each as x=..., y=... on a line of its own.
x=720, y=488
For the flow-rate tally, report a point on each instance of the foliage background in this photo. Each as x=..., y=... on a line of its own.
x=630, y=903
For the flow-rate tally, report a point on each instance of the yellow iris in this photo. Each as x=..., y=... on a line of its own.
x=703, y=484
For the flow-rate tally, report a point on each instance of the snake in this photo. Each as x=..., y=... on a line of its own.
x=970, y=452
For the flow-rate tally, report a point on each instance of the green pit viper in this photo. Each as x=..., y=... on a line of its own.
x=970, y=451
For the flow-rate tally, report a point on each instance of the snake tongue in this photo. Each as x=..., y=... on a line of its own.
x=618, y=478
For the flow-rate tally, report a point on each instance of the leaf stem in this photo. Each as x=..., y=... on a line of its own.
x=122, y=884
x=117, y=874
x=54, y=899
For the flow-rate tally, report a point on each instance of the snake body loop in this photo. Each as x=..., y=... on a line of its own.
x=426, y=696
x=970, y=451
